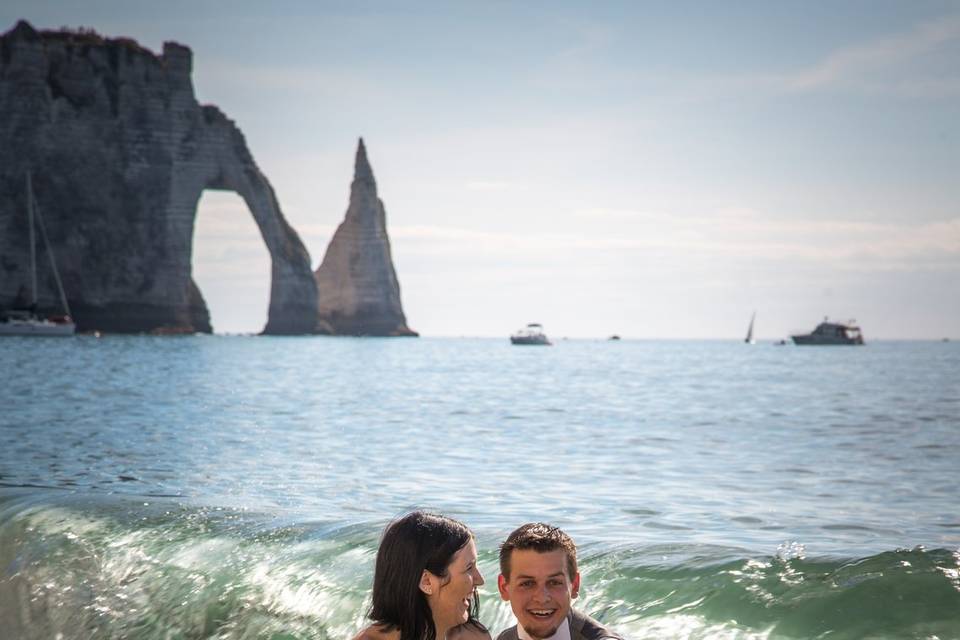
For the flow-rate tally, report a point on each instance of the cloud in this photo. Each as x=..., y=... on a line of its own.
x=586, y=42
x=853, y=65
x=308, y=83
x=488, y=185
x=738, y=234
x=898, y=64
x=617, y=214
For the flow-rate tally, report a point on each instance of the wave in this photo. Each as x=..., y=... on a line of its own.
x=125, y=567
x=895, y=594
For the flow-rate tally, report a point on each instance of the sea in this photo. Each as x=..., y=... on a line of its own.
x=230, y=487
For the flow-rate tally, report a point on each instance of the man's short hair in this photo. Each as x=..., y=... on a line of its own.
x=542, y=538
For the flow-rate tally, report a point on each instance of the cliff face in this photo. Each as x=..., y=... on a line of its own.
x=120, y=152
x=358, y=292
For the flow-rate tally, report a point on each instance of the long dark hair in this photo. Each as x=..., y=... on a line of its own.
x=415, y=542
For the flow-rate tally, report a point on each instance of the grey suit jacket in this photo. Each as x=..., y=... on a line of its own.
x=582, y=627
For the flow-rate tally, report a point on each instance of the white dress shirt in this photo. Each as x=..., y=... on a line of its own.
x=563, y=632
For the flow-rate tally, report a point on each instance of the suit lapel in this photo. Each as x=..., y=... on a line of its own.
x=576, y=622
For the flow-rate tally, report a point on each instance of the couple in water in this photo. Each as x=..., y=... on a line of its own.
x=426, y=576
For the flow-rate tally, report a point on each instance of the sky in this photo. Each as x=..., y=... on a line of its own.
x=646, y=169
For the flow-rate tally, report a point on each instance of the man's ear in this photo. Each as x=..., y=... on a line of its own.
x=502, y=587
x=428, y=583
x=575, y=586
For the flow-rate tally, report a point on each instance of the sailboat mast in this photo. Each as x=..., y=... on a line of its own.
x=33, y=244
x=53, y=262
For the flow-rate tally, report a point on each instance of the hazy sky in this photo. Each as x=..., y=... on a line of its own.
x=652, y=169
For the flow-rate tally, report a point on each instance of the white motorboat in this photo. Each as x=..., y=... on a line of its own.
x=532, y=334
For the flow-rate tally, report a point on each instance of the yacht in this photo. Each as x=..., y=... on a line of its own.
x=831, y=333
x=24, y=320
x=532, y=334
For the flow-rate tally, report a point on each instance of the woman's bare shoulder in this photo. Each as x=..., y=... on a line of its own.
x=377, y=632
x=468, y=631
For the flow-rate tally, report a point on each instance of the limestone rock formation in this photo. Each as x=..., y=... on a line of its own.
x=120, y=152
x=358, y=292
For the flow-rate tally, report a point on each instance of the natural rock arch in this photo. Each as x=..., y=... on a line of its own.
x=120, y=152
x=230, y=263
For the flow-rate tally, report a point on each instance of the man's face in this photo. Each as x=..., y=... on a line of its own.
x=539, y=590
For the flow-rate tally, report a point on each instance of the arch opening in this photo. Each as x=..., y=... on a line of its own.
x=230, y=264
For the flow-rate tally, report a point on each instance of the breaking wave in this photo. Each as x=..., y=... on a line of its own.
x=127, y=567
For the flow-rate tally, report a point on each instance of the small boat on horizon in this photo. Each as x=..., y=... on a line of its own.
x=24, y=319
x=749, y=339
x=532, y=334
x=831, y=333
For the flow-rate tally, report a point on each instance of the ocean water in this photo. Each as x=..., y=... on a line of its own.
x=236, y=487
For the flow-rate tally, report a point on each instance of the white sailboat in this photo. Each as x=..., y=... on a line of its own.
x=26, y=321
x=749, y=339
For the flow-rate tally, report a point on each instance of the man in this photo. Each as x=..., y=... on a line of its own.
x=539, y=577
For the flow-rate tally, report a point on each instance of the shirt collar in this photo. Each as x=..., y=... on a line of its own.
x=563, y=631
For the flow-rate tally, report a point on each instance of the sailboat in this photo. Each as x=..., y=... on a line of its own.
x=749, y=339
x=25, y=321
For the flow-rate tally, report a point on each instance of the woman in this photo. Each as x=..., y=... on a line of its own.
x=424, y=582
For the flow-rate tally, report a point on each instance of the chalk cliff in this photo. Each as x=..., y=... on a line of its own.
x=120, y=152
x=358, y=292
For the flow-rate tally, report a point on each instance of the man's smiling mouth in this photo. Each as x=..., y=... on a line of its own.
x=541, y=613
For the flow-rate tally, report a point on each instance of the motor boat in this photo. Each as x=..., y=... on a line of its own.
x=532, y=334
x=831, y=333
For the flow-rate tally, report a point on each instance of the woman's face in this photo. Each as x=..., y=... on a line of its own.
x=450, y=602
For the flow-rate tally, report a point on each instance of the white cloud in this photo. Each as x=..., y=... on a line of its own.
x=853, y=65
x=618, y=214
x=891, y=65
x=732, y=233
x=488, y=185
x=306, y=82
